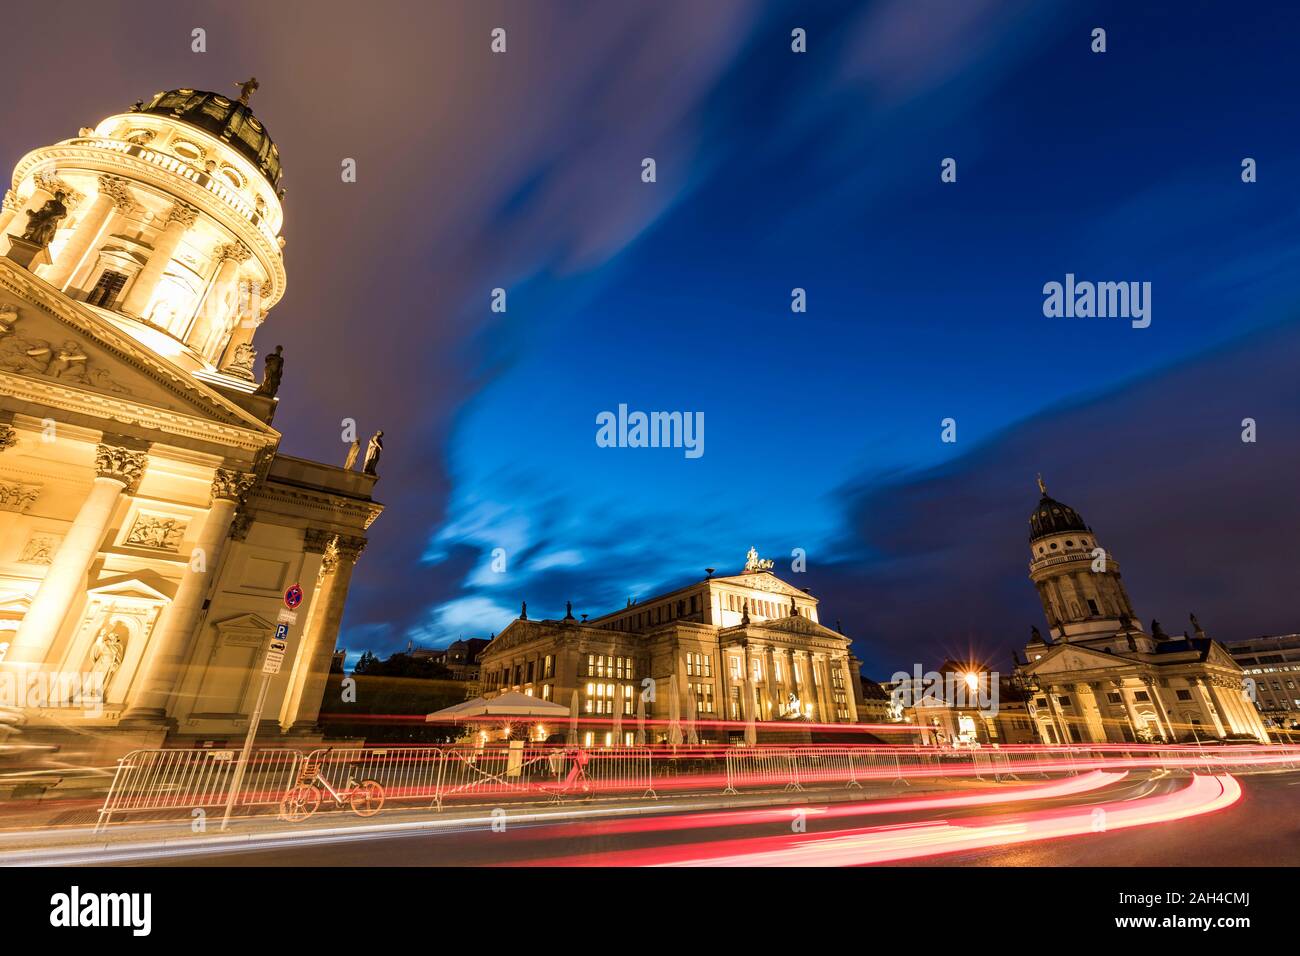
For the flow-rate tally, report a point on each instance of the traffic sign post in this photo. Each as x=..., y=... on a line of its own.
x=270, y=667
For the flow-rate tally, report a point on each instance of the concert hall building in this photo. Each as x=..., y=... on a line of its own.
x=745, y=646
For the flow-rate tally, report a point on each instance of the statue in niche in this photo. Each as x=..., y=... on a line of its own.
x=44, y=222
x=107, y=652
x=274, y=371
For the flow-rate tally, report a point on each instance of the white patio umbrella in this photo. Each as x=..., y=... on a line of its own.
x=674, y=716
x=512, y=704
x=640, y=720
x=692, y=737
x=573, y=720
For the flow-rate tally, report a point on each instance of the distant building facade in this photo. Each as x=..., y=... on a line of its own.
x=873, y=702
x=1273, y=664
x=1098, y=676
x=743, y=646
x=968, y=706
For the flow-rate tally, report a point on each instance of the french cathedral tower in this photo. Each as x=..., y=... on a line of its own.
x=1079, y=582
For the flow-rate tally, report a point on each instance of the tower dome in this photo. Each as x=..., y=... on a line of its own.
x=229, y=120
x=1053, y=517
x=173, y=226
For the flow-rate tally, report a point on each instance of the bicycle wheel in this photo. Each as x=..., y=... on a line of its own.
x=299, y=803
x=367, y=798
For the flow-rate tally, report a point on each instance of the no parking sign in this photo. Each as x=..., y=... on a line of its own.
x=293, y=597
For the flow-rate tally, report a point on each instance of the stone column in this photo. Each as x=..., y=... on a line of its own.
x=8, y=210
x=1128, y=708
x=160, y=670
x=808, y=689
x=1237, y=710
x=89, y=230
x=1058, y=718
x=824, y=692
x=318, y=646
x=1162, y=718
x=248, y=323
x=169, y=240
x=773, y=702
x=831, y=709
x=117, y=470
x=1219, y=718
x=789, y=674
x=211, y=313
x=320, y=551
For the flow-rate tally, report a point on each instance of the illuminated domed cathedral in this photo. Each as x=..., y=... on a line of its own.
x=149, y=528
x=1098, y=676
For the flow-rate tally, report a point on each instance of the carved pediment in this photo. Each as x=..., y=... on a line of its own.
x=1218, y=655
x=1065, y=659
x=763, y=581
x=797, y=625
x=250, y=627
x=143, y=585
x=42, y=349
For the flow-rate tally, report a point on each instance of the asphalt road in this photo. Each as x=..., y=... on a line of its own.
x=1261, y=828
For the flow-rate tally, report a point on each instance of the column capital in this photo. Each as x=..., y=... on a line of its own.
x=230, y=485
x=232, y=251
x=350, y=546
x=11, y=201
x=116, y=189
x=316, y=541
x=8, y=437
x=183, y=214
x=52, y=184
x=121, y=464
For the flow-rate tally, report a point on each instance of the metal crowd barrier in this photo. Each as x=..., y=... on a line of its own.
x=163, y=780
x=824, y=765
x=153, y=780
x=760, y=767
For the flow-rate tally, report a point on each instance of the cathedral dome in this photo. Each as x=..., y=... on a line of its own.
x=1052, y=517
x=229, y=119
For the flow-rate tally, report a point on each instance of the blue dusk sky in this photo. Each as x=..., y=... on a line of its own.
x=775, y=170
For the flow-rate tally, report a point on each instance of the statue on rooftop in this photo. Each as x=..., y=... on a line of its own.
x=374, y=449
x=274, y=371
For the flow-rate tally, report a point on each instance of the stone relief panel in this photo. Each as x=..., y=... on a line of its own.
x=159, y=532
x=17, y=496
x=40, y=548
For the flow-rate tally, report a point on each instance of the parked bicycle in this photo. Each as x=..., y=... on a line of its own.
x=365, y=797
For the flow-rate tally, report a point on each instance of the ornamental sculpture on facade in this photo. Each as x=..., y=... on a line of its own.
x=43, y=223
x=230, y=485
x=121, y=464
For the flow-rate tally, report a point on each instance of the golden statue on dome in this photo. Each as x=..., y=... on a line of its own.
x=247, y=89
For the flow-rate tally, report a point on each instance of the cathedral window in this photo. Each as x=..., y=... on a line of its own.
x=106, y=289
